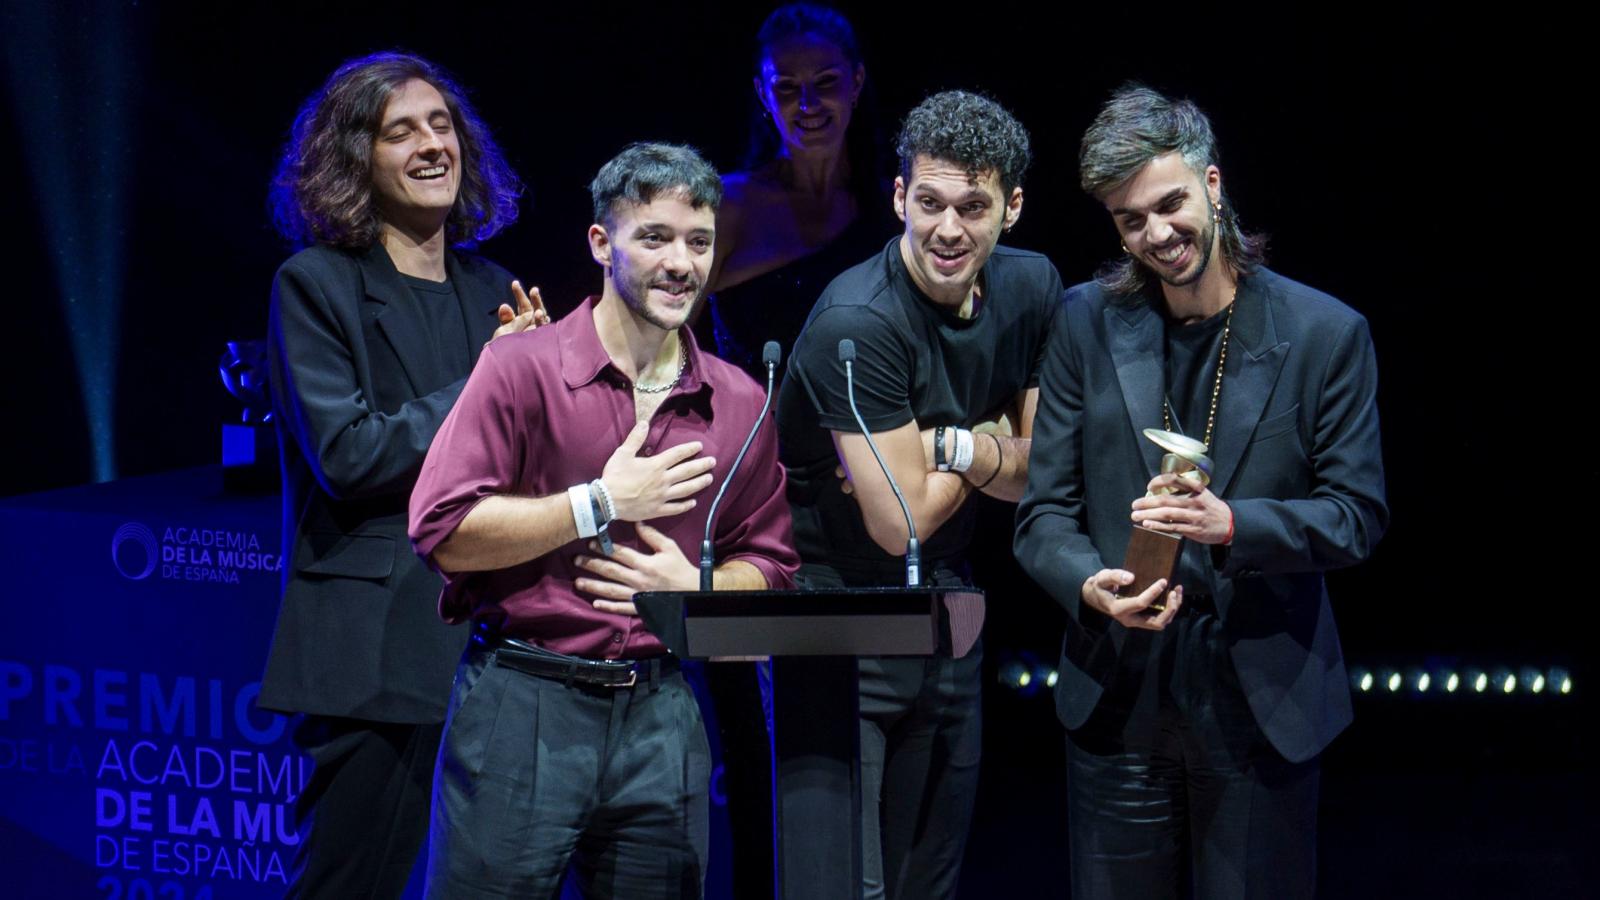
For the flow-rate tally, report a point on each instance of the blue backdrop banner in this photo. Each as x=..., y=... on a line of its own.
x=133, y=762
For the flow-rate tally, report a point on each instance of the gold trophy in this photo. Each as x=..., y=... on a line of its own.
x=1153, y=555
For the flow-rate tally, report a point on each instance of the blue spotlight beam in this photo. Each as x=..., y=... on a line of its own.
x=70, y=80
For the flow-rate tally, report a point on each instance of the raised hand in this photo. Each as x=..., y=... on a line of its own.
x=529, y=314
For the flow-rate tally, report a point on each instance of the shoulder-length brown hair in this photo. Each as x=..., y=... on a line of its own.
x=322, y=191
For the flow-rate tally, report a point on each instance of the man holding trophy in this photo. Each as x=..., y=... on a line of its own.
x=1201, y=675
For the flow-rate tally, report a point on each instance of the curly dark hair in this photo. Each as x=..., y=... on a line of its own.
x=642, y=171
x=1135, y=126
x=967, y=129
x=322, y=190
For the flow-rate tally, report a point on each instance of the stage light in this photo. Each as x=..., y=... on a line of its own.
x=1014, y=674
x=1561, y=681
x=1532, y=680
x=1051, y=679
x=72, y=88
x=1434, y=679
x=1418, y=679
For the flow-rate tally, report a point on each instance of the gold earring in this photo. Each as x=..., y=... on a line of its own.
x=1216, y=211
x=1126, y=250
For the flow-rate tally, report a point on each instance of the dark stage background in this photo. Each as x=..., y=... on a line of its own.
x=1384, y=153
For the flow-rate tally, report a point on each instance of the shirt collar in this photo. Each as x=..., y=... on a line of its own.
x=583, y=357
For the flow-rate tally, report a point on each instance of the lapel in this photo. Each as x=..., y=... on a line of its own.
x=1135, y=335
x=399, y=319
x=1246, y=384
x=479, y=298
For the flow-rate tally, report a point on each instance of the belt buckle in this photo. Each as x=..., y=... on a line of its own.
x=633, y=679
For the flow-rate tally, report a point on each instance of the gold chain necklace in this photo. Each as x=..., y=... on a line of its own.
x=683, y=361
x=1216, y=386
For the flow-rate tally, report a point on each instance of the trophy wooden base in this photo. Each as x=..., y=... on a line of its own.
x=1152, y=556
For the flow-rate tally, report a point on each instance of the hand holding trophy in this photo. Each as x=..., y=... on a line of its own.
x=1153, y=555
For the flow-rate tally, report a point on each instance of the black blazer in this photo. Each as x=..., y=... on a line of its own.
x=1298, y=459
x=357, y=395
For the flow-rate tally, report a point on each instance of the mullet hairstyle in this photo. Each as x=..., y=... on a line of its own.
x=322, y=190
x=642, y=172
x=1135, y=126
x=969, y=130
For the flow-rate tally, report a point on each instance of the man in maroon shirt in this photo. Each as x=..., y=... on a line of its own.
x=571, y=735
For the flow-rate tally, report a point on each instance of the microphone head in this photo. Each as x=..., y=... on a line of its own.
x=847, y=350
x=771, y=353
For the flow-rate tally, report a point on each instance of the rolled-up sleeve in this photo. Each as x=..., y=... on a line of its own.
x=755, y=527
x=477, y=453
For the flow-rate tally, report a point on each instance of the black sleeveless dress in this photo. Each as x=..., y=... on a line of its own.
x=774, y=306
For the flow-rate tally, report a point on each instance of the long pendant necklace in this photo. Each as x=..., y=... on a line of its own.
x=1216, y=385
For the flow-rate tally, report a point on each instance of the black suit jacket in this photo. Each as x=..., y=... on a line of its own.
x=1298, y=460
x=358, y=394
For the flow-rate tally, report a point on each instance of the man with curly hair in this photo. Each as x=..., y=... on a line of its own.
x=948, y=327
x=373, y=330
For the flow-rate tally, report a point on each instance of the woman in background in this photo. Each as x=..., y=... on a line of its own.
x=813, y=202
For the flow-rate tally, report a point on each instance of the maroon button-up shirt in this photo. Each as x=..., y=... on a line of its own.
x=543, y=411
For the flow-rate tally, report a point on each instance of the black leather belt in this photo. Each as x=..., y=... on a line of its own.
x=619, y=673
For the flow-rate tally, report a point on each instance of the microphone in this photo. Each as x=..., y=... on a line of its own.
x=847, y=355
x=770, y=354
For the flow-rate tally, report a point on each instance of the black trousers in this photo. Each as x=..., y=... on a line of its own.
x=921, y=743
x=1173, y=790
x=535, y=774
x=363, y=815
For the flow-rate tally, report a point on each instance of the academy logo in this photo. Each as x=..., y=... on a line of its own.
x=185, y=553
x=134, y=551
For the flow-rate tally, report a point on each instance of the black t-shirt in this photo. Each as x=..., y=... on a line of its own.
x=914, y=360
x=439, y=303
x=1191, y=369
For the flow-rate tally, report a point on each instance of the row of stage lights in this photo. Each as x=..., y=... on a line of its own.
x=1026, y=675
x=1501, y=681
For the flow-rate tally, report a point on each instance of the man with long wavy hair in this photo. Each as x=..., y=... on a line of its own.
x=374, y=327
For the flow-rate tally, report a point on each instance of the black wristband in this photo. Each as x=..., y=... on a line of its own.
x=940, y=462
x=999, y=462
